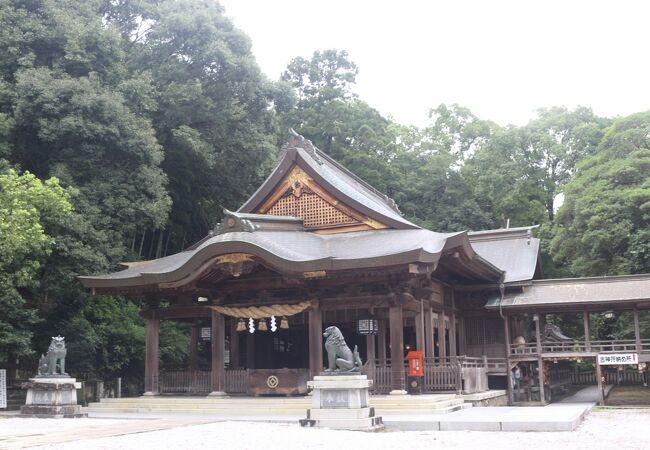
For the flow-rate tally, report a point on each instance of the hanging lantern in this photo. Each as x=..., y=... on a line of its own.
x=241, y=325
x=262, y=325
x=284, y=323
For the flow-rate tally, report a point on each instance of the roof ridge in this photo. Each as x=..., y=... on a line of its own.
x=385, y=198
x=317, y=154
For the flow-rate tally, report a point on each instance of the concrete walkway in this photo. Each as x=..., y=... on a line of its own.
x=554, y=417
x=587, y=394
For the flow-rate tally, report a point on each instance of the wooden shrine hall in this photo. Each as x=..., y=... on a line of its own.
x=316, y=246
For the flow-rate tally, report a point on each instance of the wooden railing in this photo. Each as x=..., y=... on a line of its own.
x=624, y=377
x=443, y=377
x=580, y=346
x=185, y=382
x=381, y=384
x=236, y=381
x=198, y=382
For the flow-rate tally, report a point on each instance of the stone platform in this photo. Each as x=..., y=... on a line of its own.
x=341, y=402
x=54, y=397
x=555, y=417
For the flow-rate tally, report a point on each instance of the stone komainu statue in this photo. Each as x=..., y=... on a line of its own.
x=54, y=357
x=339, y=356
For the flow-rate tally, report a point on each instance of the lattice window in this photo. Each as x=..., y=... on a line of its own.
x=313, y=210
x=479, y=331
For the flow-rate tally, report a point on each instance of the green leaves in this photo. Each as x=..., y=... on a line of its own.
x=603, y=225
x=29, y=209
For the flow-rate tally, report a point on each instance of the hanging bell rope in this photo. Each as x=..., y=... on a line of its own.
x=260, y=312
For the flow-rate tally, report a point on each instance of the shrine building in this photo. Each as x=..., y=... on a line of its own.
x=316, y=246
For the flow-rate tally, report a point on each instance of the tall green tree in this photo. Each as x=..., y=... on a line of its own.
x=519, y=172
x=214, y=110
x=29, y=209
x=603, y=227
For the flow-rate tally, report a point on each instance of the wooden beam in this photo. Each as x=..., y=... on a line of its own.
x=151, y=360
x=396, y=318
x=637, y=331
x=442, y=335
x=250, y=350
x=315, y=341
x=381, y=341
x=599, y=380
x=453, y=351
x=217, y=344
x=587, y=326
x=419, y=329
x=462, y=336
x=540, y=361
x=234, y=343
x=429, y=342
x=506, y=329
x=177, y=312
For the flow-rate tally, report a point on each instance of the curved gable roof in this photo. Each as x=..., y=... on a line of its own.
x=335, y=179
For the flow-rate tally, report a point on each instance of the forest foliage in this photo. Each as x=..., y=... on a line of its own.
x=125, y=126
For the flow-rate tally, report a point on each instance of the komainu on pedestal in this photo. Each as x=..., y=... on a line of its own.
x=52, y=393
x=340, y=398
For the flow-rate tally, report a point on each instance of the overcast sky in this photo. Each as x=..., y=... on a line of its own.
x=502, y=59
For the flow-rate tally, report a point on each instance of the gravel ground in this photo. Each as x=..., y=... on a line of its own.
x=602, y=429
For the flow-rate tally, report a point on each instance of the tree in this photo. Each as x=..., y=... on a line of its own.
x=29, y=208
x=328, y=76
x=214, y=110
x=133, y=105
x=603, y=227
x=520, y=171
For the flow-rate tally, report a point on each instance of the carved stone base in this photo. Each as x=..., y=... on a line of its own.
x=52, y=412
x=51, y=398
x=341, y=402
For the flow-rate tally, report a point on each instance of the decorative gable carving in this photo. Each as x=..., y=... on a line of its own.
x=299, y=196
x=314, y=211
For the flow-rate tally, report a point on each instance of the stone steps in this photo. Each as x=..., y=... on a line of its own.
x=422, y=404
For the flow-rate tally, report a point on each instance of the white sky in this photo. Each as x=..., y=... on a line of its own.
x=502, y=59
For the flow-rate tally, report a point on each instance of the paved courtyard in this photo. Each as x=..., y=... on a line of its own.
x=621, y=428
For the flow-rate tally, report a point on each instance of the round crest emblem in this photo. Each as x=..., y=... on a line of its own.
x=272, y=381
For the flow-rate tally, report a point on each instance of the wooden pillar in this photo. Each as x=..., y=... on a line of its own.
x=234, y=344
x=250, y=350
x=599, y=380
x=194, y=347
x=442, y=336
x=370, y=355
x=452, y=335
x=540, y=362
x=430, y=345
x=506, y=329
x=461, y=333
x=217, y=344
x=587, y=324
x=315, y=341
x=419, y=330
x=637, y=331
x=396, y=319
x=151, y=356
x=453, y=350
x=381, y=340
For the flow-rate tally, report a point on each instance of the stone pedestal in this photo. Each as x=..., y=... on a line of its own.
x=54, y=397
x=341, y=402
